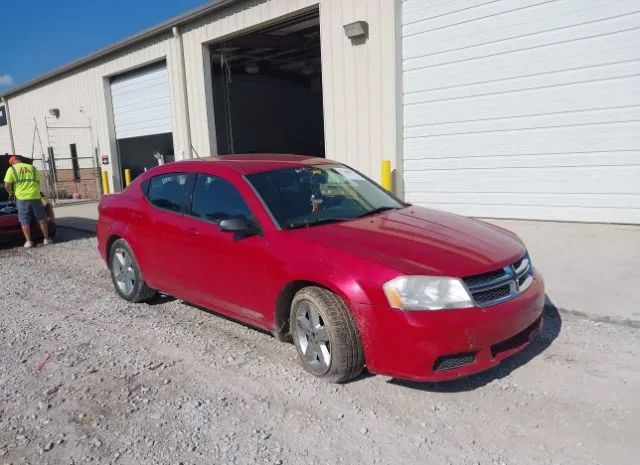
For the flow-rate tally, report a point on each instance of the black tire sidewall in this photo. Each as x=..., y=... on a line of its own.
x=341, y=369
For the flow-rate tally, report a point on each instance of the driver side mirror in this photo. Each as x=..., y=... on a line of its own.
x=239, y=225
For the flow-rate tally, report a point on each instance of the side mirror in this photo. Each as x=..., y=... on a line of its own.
x=240, y=225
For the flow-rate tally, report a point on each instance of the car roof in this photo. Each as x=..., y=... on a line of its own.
x=259, y=162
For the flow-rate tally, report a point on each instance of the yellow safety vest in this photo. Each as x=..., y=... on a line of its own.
x=24, y=177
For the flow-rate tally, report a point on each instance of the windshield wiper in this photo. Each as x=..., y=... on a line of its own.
x=307, y=223
x=377, y=210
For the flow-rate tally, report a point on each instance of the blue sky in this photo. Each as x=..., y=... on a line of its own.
x=40, y=35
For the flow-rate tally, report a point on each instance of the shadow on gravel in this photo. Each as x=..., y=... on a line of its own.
x=80, y=224
x=551, y=330
x=228, y=318
x=160, y=299
x=70, y=234
x=63, y=234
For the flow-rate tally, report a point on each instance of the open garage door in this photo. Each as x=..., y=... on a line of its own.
x=522, y=109
x=142, y=116
x=267, y=90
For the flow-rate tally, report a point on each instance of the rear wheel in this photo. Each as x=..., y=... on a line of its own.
x=125, y=274
x=325, y=335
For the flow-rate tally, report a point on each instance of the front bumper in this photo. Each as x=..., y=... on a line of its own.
x=448, y=344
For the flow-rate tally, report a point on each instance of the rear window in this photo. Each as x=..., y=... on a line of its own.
x=168, y=191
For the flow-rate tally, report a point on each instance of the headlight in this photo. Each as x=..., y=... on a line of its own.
x=427, y=293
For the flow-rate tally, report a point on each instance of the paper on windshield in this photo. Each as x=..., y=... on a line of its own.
x=349, y=174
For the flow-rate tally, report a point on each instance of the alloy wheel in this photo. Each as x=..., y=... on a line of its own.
x=123, y=272
x=313, y=337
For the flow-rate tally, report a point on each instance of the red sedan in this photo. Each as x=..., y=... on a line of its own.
x=317, y=253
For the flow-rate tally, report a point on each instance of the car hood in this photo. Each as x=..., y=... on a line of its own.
x=416, y=240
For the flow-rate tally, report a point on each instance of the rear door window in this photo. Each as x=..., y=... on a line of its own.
x=216, y=199
x=168, y=191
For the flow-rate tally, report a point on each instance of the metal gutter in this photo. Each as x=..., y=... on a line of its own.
x=161, y=28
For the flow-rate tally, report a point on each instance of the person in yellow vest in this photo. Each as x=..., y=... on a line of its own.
x=22, y=181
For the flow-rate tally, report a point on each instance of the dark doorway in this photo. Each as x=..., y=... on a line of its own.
x=75, y=165
x=137, y=153
x=267, y=90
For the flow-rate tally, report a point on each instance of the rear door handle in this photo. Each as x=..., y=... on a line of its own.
x=193, y=232
x=137, y=216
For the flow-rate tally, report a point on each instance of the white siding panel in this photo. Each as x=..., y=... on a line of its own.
x=523, y=22
x=142, y=103
x=5, y=140
x=586, y=180
x=523, y=109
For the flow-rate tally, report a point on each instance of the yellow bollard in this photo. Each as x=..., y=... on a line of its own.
x=386, y=174
x=127, y=177
x=105, y=182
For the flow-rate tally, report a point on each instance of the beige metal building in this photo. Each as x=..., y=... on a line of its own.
x=155, y=91
x=507, y=109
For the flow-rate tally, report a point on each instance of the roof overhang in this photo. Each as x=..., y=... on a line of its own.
x=117, y=46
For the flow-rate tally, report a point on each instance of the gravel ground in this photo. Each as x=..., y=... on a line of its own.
x=87, y=377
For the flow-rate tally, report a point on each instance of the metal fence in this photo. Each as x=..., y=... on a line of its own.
x=68, y=161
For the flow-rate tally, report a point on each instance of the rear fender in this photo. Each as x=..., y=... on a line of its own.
x=119, y=229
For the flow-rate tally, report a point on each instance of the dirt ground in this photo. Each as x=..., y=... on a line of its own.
x=87, y=377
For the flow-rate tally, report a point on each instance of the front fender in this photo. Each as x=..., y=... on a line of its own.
x=332, y=277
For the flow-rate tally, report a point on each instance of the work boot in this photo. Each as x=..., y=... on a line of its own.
x=28, y=245
x=47, y=242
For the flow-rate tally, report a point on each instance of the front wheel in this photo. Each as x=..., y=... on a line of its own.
x=325, y=335
x=125, y=274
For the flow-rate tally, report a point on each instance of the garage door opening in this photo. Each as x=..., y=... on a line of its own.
x=267, y=90
x=142, y=117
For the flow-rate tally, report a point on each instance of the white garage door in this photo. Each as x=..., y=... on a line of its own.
x=141, y=102
x=523, y=108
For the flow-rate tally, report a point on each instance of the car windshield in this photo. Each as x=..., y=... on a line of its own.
x=312, y=195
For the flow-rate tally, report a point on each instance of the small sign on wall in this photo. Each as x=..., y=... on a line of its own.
x=3, y=116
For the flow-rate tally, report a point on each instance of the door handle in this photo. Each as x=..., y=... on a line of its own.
x=193, y=232
x=137, y=216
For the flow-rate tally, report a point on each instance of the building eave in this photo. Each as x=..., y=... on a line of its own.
x=122, y=44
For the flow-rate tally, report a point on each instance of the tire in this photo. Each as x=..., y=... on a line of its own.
x=125, y=274
x=328, y=344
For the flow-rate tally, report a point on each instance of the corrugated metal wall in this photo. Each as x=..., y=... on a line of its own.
x=359, y=84
x=358, y=79
x=243, y=16
x=5, y=140
x=523, y=108
x=80, y=97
